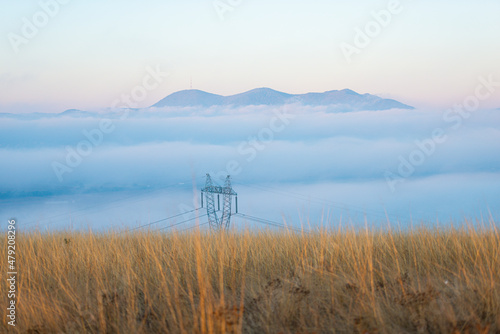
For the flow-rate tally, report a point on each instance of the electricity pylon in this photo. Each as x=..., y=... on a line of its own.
x=227, y=196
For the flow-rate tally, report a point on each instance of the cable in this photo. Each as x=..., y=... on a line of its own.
x=182, y=222
x=189, y=228
x=105, y=205
x=270, y=222
x=160, y=220
x=318, y=200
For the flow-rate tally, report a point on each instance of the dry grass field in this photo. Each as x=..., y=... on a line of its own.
x=426, y=280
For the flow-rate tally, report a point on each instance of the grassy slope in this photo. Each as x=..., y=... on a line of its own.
x=423, y=281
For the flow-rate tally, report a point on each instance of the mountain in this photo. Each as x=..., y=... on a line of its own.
x=343, y=100
x=350, y=98
x=258, y=96
x=190, y=97
x=345, y=96
x=336, y=100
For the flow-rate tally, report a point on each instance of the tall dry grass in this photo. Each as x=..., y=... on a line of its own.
x=421, y=281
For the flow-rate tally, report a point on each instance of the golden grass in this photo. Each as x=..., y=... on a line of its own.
x=421, y=281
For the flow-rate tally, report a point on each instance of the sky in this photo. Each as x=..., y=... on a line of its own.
x=436, y=162
x=86, y=54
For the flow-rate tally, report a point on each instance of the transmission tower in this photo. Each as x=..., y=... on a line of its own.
x=227, y=196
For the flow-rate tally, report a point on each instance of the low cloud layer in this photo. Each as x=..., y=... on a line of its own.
x=287, y=145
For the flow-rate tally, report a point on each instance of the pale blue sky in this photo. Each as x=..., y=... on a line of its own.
x=90, y=52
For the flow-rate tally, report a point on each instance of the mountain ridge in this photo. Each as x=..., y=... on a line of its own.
x=267, y=96
x=344, y=100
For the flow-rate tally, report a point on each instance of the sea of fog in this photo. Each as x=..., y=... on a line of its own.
x=305, y=167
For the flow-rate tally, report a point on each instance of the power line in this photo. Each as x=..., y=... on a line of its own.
x=269, y=189
x=104, y=206
x=182, y=222
x=270, y=222
x=309, y=198
x=189, y=228
x=318, y=200
x=160, y=220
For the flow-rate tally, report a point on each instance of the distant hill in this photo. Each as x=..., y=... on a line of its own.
x=258, y=96
x=344, y=99
x=191, y=97
x=339, y=100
